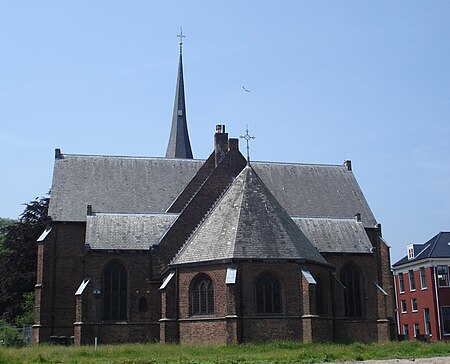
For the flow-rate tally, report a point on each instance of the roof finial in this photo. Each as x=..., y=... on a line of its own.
x=247, y=138
x=181, y=36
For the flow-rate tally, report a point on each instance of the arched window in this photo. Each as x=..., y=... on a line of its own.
x=143, y=305
x=115, y=292
x=350, y=278
x=268, y=295
x=202, y=296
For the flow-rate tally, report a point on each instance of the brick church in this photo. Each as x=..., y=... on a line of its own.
x=221, y=250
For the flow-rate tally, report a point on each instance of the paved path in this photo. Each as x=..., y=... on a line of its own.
x=439, y=360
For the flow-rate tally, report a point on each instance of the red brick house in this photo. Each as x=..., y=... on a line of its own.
x=422, y=288
x=214, y=251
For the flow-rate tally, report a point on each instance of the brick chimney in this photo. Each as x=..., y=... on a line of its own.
x=233, y=144
x=220, y=143
x=348, y=164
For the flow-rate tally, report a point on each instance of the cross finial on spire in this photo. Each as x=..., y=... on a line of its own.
x=181, y=36
x=247, y=138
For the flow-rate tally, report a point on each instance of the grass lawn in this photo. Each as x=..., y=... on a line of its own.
x=277, y=352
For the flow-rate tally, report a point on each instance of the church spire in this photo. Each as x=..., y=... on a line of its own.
x=179, y=144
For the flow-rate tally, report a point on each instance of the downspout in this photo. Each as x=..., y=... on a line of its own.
x=333, y=309
x=437, y=301
x=177, y=305
x=53, y=295
x=241, y=307
x=396, y=305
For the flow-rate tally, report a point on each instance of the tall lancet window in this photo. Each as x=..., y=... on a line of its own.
x=350, y=278
x=115, y=292
x=268, y=295
x=202, y=296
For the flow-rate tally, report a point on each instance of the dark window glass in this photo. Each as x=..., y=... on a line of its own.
x=268, y=295
x=350, y=278
x=115, y=292
x=202, y=297
x=446, y=320
x=423, y=278
x=412, y=281
x=401, y=282
x=442, y=273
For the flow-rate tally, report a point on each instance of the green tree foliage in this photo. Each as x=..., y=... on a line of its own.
x=4, y=223
x=18, y=260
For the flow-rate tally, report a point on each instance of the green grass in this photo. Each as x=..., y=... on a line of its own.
x=276, y=352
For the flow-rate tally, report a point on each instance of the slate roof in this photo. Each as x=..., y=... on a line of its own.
x=150, y=185
x=308, y=190
x=335, y=235
x=437, y=247
x=126, y=231
x=116, y=184
x=179, y=145
x=248, y=223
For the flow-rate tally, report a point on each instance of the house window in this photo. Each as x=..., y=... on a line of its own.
x=115, y=292
x=405, y=331
x=412, y=282
x=350, y=278
x=416, y=330
x=401, y=282
x=404, y=310
x=446, y=320
x=426, y=316
x=442, y=273
x=268, y=295
x=423, y=278
x=414, y=304
x=410, y=251
x=202, y=296
x=143, y=305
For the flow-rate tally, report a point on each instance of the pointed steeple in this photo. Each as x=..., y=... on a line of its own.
x=179, y=144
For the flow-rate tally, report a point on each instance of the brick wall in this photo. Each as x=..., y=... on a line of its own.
x=139, y=326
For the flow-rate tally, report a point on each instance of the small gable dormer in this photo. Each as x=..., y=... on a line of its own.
x=410, y=249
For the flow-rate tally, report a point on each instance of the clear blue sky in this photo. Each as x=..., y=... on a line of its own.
x=362, y=80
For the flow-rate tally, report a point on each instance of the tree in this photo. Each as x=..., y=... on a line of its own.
x=4, y=223
x=18, y=260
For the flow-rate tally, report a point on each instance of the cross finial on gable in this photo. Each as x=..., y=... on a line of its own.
x=247, y=138
x=181, y=36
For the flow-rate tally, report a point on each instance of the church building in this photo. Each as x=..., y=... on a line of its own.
x=223, y=250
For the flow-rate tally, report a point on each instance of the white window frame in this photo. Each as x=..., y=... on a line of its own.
x=406, y=330
x=427, y=323
x=414, y=303
x=401, y=283
x=442, y=318
x=437, y=274
x=416, y=329
x=412, y=280
x=423, y=277
x=404, y=306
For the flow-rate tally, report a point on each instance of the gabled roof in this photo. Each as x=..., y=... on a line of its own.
x=248, y=223
x=151, y=185
x=126, y=231
x=311, y=190
x=116, y=184
x=335, y=235
x=437, y=247
x=179, y=145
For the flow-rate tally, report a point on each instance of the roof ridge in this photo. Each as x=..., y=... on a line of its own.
x=301, y=164
x=194, y=231
x=128, y=157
